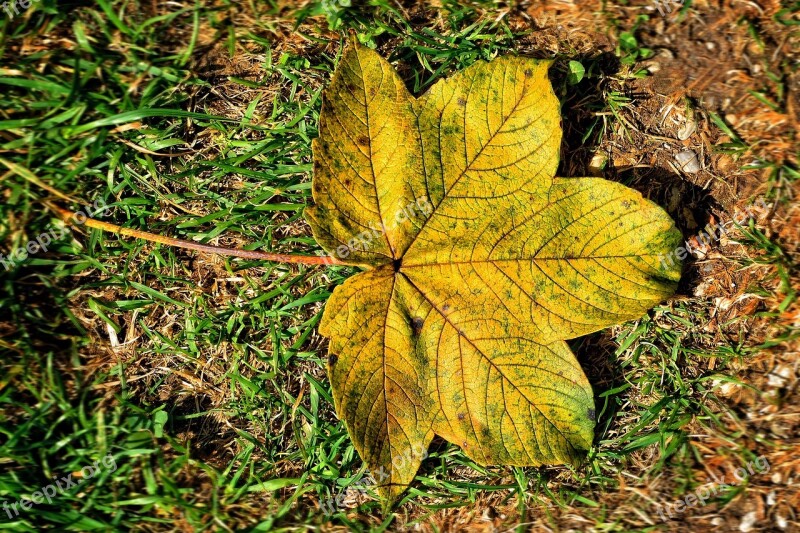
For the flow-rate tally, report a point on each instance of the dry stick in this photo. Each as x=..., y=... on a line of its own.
x=69, y=218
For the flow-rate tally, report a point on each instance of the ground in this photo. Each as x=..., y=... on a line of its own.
x=203, y=377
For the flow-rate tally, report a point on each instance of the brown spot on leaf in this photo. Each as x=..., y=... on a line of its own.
x=362, y=140
x=528, y=73
x=461, y=416
x=461, y=101
x=416, y=325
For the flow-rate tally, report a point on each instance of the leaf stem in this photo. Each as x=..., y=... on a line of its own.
x=71, y=218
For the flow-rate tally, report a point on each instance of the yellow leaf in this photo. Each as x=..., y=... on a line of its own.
x=381, y=374
x=479, y=265
x=365, y=161
x=590, y=257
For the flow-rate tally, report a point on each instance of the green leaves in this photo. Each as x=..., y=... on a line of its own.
x=479, y=265
x=576, y=72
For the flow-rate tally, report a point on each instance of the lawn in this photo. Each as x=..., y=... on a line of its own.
x=146, y=387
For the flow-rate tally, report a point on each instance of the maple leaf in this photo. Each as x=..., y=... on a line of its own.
x=479, y=264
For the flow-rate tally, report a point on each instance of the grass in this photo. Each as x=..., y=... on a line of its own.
x=203, y=377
